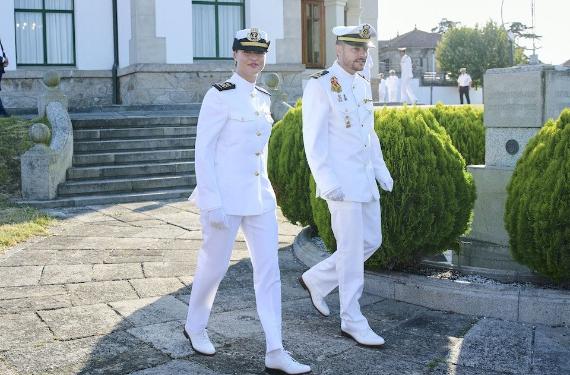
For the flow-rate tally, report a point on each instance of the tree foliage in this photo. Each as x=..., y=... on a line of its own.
x=475, y=49
x=537, y=215
x=433, y=194
x=288, y=168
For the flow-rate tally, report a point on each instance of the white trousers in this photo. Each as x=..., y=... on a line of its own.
x=358, y=234
x=406, y=92
x=213, y=260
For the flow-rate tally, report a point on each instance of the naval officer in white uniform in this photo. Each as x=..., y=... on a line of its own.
x=233, y=191
x=406, y=93
x=346, y=160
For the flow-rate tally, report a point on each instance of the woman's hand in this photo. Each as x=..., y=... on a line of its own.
x=217, y=218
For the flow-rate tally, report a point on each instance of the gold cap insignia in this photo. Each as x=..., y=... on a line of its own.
x=253, y=35
x=365, y=32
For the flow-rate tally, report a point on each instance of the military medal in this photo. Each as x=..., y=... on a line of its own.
x=335, y=86
x=347, y=121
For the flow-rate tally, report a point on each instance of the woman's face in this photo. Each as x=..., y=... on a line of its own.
x=249, y=63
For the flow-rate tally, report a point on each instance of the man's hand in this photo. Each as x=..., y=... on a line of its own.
x=335, y=195
x=217, y=218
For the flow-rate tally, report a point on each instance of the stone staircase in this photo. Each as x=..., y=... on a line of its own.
x=129, y=157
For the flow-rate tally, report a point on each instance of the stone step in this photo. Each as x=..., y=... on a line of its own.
x=125, y=185
x=101, y=199
x=126, y=157
x=133, y=133
x=144, y=169
x=112, y=121
x=132, y=144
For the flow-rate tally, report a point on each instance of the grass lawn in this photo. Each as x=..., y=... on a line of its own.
x=17, y=224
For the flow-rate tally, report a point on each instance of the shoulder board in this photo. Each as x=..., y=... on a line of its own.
x=262, y=90
x=320, y=74
x=362, y=77
x=224, y=86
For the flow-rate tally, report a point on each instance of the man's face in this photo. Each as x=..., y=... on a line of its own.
x=351, y=57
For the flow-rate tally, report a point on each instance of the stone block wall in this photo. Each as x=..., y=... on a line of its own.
x=21, y=88
x=155, y=84
x=140, y=84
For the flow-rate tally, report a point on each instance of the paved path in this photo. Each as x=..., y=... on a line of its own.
x=107, y=292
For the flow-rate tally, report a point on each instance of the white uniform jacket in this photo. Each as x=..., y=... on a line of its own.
x=234, y=126
x=342, y=148
x=406, y=67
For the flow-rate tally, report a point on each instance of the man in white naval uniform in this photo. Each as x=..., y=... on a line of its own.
x=406, y=93
x=233, y=191
x=345, y=157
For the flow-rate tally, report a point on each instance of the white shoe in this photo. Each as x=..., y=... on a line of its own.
x=280, y=362
x=318, y=301
x=365, y=337
x=200, y=342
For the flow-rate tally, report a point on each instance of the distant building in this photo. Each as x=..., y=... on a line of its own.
x=567, y=63
x=420, y=47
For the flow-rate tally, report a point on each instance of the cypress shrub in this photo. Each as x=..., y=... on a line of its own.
x=537, y=215
x=288, y=168
x=464, y=124
x=433, y=196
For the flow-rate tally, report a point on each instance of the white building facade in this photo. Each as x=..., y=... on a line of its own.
x=145, y=52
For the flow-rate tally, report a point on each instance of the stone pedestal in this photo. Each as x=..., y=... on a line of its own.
x=518, y=101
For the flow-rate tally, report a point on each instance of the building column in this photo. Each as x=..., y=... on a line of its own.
x=145, y=47
x=334, y=16
x=289, y=47
x=369, y=14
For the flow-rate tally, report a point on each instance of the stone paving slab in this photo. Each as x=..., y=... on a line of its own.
x=81, y=321
x=101, y=291
x=20, y=276
x=166, y=337
x=19, y=329
x=178, y=367
x=130, y=322
x=158, y=286
x=498, y=346
x=153, y=310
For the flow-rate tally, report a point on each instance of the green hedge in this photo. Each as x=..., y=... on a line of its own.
x=464, y=124
x=14, y=141
x=537, y=215
x=433, y=194
x=288, y=169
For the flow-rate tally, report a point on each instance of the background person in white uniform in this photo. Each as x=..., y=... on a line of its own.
x=393, y=86
x=233, y=191
x=345, y=157
x=382, y=88
x=464, y=82
x=406, y=93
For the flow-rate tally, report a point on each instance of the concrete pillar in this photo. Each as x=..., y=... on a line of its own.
x=369, y=14
x=334, y=16
x=144, y=46
x=353, y=12
x=289, y=48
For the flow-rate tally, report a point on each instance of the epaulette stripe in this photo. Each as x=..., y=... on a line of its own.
x=262, y=90
x=224, y=86
x=319, y=74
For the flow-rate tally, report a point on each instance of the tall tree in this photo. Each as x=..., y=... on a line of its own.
x=475, y=49
x=445, y=25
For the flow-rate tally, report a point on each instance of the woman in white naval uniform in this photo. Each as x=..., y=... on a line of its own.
x=233, y=191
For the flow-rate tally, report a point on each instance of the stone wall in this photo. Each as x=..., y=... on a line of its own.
x=84, y=88
x=140, y=84
x=182, y=84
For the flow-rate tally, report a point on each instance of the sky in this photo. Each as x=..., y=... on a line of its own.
x=552, y=19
